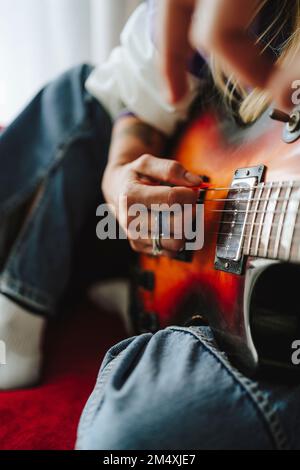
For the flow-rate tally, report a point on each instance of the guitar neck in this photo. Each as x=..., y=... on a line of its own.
x=272, y=223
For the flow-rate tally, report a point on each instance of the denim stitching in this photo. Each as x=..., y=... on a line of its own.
x=15, y=286
x=25, y=293
x=62, y=150
x=6, y=281
x=92, y=403
x=95, y=401
x=7, y=207
x=13, y=203
x=258, y=398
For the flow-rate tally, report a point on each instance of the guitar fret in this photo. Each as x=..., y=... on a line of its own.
x=271, y=225
x=281, y=221
x=261, y=223
x=252, y=227
x=296, y=240
x=294, y=251
x=269, y=220
x=297, y=259
x=290, y=225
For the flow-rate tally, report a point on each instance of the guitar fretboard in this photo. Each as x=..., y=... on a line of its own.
x=272, y=223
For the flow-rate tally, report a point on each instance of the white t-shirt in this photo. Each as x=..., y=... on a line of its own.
x=131, y=79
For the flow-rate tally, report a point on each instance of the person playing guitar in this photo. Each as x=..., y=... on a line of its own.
x=178, y=387
x=195, y=384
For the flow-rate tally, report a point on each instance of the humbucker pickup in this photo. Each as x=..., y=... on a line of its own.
x=229, y=254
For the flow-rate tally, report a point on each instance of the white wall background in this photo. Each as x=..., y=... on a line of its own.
x=41, y=38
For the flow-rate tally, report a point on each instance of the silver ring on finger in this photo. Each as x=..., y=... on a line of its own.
x=157, y=248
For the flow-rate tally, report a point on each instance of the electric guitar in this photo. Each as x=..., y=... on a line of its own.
x=245, y=282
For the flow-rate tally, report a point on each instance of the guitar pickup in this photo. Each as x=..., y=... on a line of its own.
x=229, y=253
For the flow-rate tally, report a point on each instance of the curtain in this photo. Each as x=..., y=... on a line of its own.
x=41, y=38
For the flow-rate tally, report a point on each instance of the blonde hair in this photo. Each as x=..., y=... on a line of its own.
x=252, y=104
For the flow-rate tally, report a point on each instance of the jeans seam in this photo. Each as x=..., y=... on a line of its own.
x=96, y=400
x=258, y=397
x=58, y=155
x=13, y=203
x=7, y=283
x=25, y=293
x=61, y=150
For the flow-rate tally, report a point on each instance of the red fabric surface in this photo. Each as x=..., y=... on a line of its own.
x=46, y=417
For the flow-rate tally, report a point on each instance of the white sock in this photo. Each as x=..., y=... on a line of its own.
x=21, y=334
x=113, y=297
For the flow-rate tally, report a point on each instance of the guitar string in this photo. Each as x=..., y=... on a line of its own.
x=251, y=235
x=236, y=211
x=283, y=185
x=254, y=236
x=251, y=200
x=239, y=235
x=264, y=186
x=259, y=248
x=248, y=235
x=247, y=224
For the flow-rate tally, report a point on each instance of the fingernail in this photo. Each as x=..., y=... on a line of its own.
x=193, y=179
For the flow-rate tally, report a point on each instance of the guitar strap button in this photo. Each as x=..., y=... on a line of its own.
x=196, y=320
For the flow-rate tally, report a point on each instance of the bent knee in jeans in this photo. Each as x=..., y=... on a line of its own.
x=176, y=390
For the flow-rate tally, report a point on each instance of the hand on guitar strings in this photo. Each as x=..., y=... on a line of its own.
x=221, y=28
x=144, y=184
x=135, y=181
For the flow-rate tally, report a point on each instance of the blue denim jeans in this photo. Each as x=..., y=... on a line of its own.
x=171, y=390
x=54, y=154
x=175, y=390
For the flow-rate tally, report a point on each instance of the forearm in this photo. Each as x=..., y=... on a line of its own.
x=133, y=138
x=138, y=173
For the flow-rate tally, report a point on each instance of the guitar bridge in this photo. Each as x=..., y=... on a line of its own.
x=229, y=254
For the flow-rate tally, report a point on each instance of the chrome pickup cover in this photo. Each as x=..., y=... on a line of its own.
x=229, y=252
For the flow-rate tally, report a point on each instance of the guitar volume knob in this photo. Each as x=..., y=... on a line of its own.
x=291, y=131
x=280, y=116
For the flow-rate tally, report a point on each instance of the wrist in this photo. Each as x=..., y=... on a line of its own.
x=112, y=181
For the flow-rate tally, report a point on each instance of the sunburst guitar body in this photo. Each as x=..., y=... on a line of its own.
x=245, y=281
